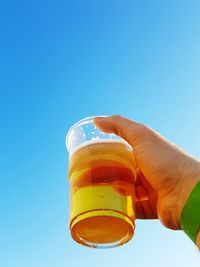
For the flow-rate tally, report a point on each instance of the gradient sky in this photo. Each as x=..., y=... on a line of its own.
x=61, y=61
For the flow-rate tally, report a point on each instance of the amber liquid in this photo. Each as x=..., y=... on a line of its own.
x=102, y=177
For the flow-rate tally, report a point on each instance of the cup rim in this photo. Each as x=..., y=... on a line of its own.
x=78, y=123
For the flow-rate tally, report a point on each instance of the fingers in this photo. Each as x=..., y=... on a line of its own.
x=141, y=193
x=123, y=127
x=143, y=210
x=145, y=199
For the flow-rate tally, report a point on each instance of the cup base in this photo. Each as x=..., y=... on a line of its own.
x=102, y=228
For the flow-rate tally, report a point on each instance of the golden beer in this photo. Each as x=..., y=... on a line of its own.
x=102, y=177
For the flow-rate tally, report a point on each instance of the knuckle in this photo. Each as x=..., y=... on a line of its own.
x=143, y=128
x=116, y=117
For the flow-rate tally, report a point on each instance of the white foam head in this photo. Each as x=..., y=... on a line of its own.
x=101, y=141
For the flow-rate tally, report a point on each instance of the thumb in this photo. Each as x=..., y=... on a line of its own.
x=121, y=126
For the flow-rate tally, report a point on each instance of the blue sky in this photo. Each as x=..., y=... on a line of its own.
x=61, y=61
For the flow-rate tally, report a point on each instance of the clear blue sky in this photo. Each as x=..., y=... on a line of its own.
x=61, y=61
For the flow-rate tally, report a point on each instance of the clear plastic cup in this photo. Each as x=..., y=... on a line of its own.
x=102, y=186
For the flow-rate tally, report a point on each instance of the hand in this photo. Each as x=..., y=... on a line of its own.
x=166, y=174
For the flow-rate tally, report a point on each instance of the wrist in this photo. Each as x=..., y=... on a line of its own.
x=170, y=206
x=185, y=191
x=173, y=204
x=190, y=215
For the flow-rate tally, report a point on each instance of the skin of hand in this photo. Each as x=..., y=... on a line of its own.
x=198, y=240
x=166, y=175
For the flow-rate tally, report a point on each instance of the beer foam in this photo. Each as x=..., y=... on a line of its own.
x=101, y=141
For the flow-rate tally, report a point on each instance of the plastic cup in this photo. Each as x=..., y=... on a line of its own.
x=102, y=186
